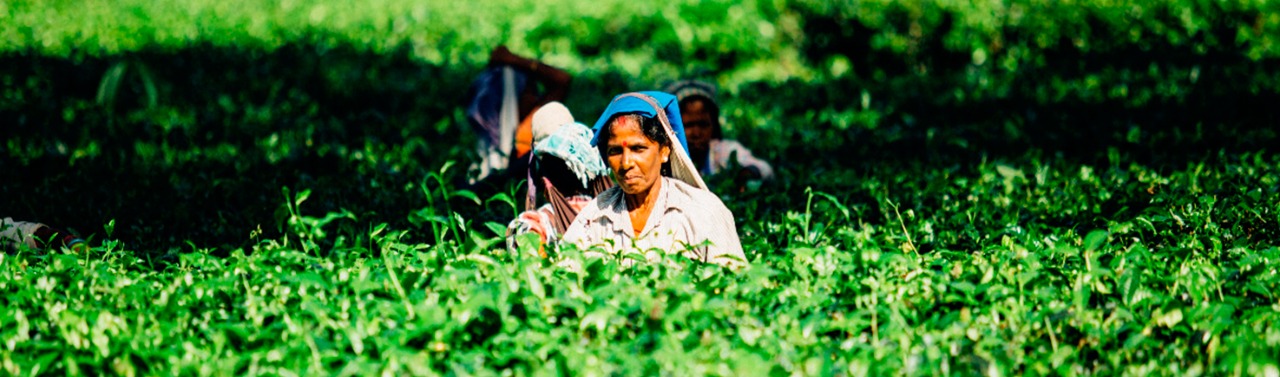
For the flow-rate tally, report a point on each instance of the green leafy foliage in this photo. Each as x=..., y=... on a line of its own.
x=1017, y=187
x=997, y=281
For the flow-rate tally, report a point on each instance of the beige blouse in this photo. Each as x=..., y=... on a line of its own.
x=685, y=219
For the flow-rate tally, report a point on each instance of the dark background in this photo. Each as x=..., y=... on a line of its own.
x=191, y=147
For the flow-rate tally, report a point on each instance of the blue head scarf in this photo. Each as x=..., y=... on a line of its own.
x=682, y=168
x=623, y=104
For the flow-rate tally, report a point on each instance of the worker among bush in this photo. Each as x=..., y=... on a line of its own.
x=709, y=150
x=564, y=169
x=503, y=98
x=660, y=203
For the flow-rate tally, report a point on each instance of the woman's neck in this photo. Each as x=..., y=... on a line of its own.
x=640, y=205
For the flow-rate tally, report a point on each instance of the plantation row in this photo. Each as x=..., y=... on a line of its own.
x=201, y=105
x=1181, y=281
x=860, y=64
x=1013, y=187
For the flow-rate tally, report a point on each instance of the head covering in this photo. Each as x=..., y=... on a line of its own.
x=663, y=106
x=636, y=103
x=565, y=158
x=571, y=143
x=549, y=118
x=684, y=89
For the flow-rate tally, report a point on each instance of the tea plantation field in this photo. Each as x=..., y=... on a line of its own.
x=1184, y=283
x=964, y=188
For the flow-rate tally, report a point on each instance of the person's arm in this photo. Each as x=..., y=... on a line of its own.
x=755, y=167
x=709, y=227
x=536, y=221
x=726, y=247
x=555, y=80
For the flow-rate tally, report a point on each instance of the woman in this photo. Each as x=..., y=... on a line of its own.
x=710, y=152
x=502, y=100
x=660, y=202
x=565, y=168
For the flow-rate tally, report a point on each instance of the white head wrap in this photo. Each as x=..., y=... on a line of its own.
x=548, y=119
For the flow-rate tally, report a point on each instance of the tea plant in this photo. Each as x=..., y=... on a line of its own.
x=995, y=188
x=1183, y=285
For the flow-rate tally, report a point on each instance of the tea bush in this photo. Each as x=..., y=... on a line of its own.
x=982, y=271
x=1016, y=187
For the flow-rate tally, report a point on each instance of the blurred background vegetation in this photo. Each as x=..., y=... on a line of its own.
x=182, y=120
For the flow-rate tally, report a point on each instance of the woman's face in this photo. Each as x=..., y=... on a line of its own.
x=636, y=161
x=697, y=124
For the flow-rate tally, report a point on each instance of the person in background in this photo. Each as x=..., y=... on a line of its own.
x=565, y=169
x=15, y=234
x=503, y=98
x=711, y=153
x=660, y=203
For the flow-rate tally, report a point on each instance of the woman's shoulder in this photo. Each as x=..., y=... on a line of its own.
x=685, y=189
x=692, y=199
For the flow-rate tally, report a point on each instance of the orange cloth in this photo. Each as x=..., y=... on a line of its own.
x=524, y=135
